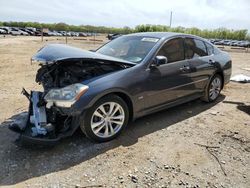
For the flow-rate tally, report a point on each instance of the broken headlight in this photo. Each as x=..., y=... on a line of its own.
x=66, y=96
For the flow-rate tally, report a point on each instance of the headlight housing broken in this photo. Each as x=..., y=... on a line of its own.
x=66, y=96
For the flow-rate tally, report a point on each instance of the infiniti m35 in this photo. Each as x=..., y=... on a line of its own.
x=131, y=76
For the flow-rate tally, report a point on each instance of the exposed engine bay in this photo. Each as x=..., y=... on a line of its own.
x=67, y=72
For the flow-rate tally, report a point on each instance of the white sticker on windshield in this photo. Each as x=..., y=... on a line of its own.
x=149, y=39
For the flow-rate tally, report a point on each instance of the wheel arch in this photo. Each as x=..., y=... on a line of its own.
x=220, y=72
x=128, y=101
x=123, y=95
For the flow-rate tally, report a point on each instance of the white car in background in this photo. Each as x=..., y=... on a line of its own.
x=16, y=31
x=2, y=31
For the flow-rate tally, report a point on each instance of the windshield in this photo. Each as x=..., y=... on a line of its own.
x=130, y=48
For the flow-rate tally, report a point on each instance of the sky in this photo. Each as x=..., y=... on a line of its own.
x=204, y=14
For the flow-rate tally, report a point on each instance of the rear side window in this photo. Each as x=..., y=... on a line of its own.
x=210, y=49
x=194, y=48
x=173, y=50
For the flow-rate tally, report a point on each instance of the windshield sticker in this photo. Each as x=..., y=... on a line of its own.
x=149, y=39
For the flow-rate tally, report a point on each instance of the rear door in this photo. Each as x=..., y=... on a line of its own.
x=201, y=62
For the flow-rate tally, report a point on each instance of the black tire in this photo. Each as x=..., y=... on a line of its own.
x=207, y=97
x=86, y=120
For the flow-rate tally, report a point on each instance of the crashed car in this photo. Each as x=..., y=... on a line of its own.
x=129, y=77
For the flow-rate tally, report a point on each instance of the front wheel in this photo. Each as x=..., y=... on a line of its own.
x=214, y=88
x=106, y=119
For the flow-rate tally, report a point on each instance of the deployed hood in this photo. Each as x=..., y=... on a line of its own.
x=56, y=52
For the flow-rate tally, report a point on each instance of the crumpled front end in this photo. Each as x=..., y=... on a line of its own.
x=65, y=73
x=45, y=123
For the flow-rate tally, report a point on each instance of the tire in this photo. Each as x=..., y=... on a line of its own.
x=100, y=123
x=214, y=88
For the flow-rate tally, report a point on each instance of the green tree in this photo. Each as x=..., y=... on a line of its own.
x=61, y=27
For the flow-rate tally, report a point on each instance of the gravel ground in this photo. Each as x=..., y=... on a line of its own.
x=191, y=145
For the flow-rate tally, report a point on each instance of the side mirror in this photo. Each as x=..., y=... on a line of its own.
x=159, y=60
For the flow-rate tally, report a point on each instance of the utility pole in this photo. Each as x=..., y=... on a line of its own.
x=42, y=34
x=171, y=17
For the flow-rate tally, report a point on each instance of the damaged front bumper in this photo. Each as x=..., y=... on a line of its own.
x=45, y=125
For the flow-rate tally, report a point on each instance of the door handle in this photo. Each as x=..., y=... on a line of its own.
x=185, y=68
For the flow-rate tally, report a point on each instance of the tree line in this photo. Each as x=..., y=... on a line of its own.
x=221, y=33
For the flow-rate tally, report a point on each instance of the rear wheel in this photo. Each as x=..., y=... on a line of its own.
x=106, y=119
x=214, y=88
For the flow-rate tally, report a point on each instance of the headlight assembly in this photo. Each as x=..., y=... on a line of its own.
x=66, y=96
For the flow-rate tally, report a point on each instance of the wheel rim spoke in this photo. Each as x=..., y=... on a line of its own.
x=106, y=133
x=111, y=128
x=97, y=124
x=115, y=110
x=99, y=129
x=117, y=122
x=98, y=114
x=111, y=108
x=117, y=117
x=103, y=110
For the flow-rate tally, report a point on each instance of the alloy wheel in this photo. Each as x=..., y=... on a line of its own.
x=215, y=88
x=107, y=119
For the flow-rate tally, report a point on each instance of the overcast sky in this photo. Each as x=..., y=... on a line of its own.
x=234, y=14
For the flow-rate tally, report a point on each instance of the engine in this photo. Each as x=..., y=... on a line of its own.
x=65, y=73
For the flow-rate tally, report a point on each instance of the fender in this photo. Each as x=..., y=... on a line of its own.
x=79, y=107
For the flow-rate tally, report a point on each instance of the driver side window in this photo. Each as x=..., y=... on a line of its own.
x=173, y=50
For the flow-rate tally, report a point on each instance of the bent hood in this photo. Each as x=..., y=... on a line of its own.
x=52, y=53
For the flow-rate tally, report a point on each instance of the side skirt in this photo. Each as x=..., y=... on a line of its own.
x=169, y=105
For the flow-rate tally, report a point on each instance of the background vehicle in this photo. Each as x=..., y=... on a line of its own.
x=2, y=31
x=82, y=34
x=27, y=31
x=6, y=29
x=113, y=36
x=245, y=44
x=16, y=31
x=127, y=78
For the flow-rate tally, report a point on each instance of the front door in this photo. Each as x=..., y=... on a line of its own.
x=171, y=81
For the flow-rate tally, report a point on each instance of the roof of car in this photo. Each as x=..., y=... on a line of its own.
x=161, y=34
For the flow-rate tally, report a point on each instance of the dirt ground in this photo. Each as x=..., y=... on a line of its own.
x=160, y=150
